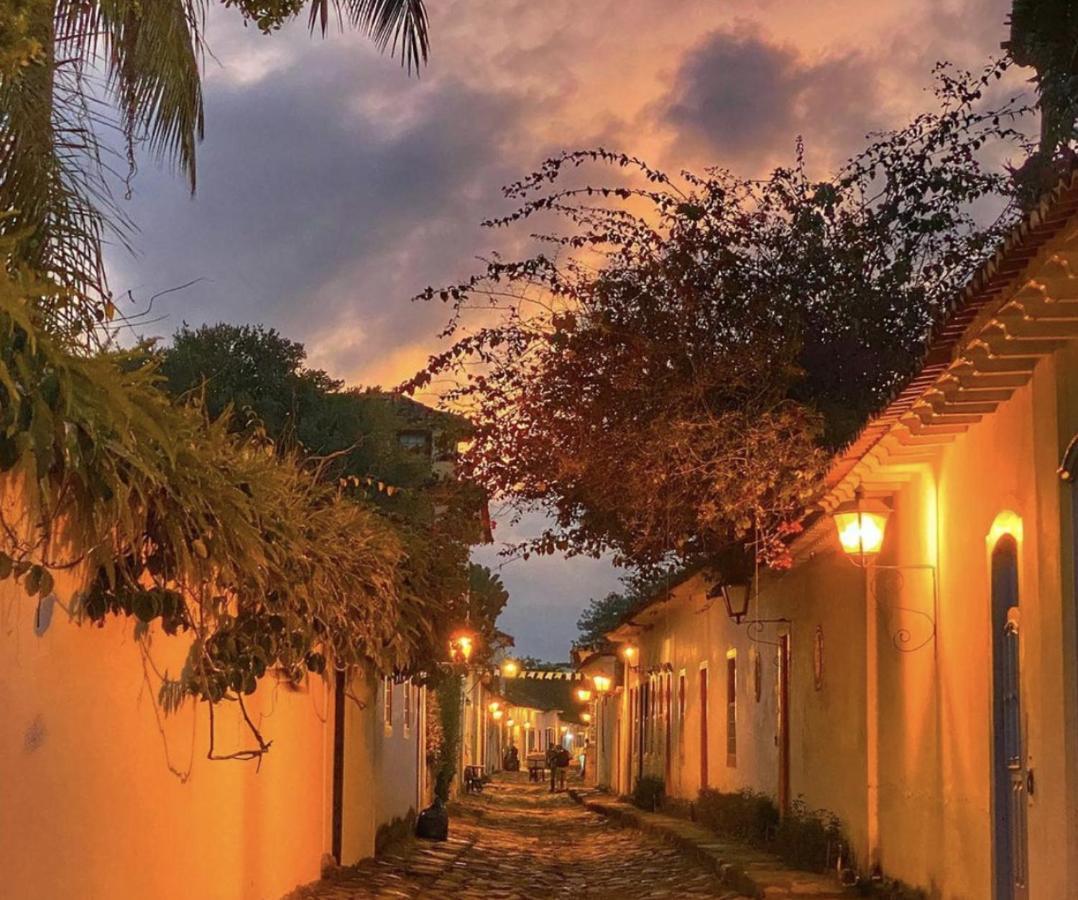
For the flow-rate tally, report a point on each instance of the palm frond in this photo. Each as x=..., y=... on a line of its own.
x=54, y=200
x=152, y=55
x=398, y=25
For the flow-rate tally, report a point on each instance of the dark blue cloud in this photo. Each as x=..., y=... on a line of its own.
x=743, y=99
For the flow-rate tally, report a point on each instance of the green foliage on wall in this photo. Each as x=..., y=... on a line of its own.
x=177, y=519
x=449, y=694
x=744, y=816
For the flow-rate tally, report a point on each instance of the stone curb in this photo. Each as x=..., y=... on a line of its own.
x=754, y=874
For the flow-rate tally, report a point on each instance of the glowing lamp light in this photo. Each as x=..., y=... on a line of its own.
x=585, y=718
x=602, y=683
x=510, y=723
x=460, y=647
x=494, y=706
x=496, y=715
x=629, y=652
x=564, y=728
x=510, y=669
x=583, y=695
x=861, y=524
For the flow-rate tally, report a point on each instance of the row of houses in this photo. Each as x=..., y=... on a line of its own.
x=529, y=710
x=915, y=672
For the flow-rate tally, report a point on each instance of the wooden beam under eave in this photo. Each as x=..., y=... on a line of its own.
x=1037, y=327
x=927, y=415
x=908, y=438
x=1000, y=341
x=919, y=428
x=958, y=405
x=990, y=361
x=952, y=391
x=967, y=377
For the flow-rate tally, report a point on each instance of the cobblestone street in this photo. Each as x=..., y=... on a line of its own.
x=516, y=840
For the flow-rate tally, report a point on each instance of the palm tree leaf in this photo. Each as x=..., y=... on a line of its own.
x=398, y=25
x=152, y=55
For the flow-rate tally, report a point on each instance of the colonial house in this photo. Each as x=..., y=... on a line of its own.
x=916, y=671
x=102, y=795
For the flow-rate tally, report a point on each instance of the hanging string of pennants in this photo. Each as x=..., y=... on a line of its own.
x=543, y=675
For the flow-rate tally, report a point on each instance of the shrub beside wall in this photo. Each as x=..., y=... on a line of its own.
x=648, y=793
x=745, y=816
x=805, y=839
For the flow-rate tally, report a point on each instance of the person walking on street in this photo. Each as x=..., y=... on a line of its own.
x=552, y=763
x=562, y=759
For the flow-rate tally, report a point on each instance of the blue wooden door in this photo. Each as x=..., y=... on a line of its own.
x=1009, y=799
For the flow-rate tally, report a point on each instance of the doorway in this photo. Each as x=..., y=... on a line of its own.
x=337, y=828
x=783, y=725
x=703, y=728
x=1009, y=774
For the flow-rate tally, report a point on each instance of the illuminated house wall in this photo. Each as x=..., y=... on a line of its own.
x=90, y=807
x=892, y=717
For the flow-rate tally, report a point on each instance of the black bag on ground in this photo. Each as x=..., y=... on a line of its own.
x=433, y=822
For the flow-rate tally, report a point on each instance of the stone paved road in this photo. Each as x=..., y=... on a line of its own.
x=516, y=840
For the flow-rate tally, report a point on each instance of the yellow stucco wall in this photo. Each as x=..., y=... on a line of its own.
x=897, y=738
x=89, y=807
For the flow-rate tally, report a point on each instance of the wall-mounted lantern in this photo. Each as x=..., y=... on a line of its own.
x=602, y=684
x=861, y=525
x=735, y=598
x=510, y=669
x=461, y=645
x=583, y=694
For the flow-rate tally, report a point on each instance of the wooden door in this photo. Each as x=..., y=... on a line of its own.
x=703, y=728
x=1010, y=775
x=669, y=729
x=783, y=725
x=337, y=830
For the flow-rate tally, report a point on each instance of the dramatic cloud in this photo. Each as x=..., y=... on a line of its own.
x=333, y=187
x=743, y=100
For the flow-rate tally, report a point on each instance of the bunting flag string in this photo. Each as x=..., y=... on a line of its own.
x=543, y=674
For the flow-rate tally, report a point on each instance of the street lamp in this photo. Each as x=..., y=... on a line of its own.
x=583, y=695
x=861, y=525
x=585, y=718
x=736, y=599
x=496, y=715
x=602, y=683
x=510, y=669
x=461, y=645
x=494, y=706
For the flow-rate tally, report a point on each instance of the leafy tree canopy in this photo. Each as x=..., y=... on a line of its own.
x=669, y=380
x=603, y=615
x=1044, y=34
x=260, y=379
